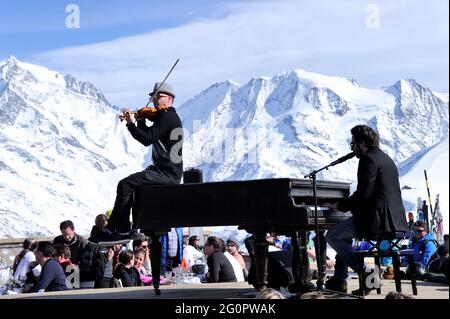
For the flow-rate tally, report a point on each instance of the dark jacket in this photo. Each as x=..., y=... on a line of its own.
x=220, y=268
x=376, y=204
x=159, y=136
x=52, y=277
x=129, y=276
x=76, y=246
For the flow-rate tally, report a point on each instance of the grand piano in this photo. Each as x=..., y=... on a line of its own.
x=282, y=205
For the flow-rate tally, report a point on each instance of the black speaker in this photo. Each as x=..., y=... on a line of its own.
x=192, y=175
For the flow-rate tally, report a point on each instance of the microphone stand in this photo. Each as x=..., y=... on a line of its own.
x=312, y=176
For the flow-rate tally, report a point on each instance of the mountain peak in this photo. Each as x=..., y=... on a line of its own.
x=27, y=74
x=11, y=60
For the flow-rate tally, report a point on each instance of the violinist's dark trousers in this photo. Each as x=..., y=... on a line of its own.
x=120, y=216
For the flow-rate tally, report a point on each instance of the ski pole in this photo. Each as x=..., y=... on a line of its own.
x=429, y=200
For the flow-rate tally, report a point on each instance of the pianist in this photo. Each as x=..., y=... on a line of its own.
x=376, y=205
x=165, y=137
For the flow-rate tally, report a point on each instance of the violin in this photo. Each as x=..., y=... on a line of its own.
x=150, y=112
x=146, y=112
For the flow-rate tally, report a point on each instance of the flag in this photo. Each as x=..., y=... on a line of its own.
x=438, y=222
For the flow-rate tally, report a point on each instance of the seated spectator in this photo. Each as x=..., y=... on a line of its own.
x=52, y=276
x=397, y=295
x=440, y=265
x=141, y=242
x=104, y=272
x=33, y=274
x=22, y=261
x=194, y=256
x=139, y=257
x=62, y=256
x=424, y=246
x=269, y=293
x=311, y=251
x=125, y=270
x=233, y=249
x=75, y=242
x=274, y=245
x=219, y=267
x=236, y=266
x=99, y=232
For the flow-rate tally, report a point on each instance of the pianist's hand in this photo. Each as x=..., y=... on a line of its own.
x=332, y=206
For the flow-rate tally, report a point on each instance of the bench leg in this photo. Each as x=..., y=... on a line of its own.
x=396, y=264
x=412, y=271
x=361, y=274
x=378, y=264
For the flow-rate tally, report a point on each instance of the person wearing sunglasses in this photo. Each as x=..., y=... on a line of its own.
x=425, y=248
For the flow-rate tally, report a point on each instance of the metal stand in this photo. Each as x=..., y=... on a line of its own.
x=312, y=176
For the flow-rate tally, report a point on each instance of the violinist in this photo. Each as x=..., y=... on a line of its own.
x=166, y=139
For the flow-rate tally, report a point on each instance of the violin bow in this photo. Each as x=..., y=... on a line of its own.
x=173, y=67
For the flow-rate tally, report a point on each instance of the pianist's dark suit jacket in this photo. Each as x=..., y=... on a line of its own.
x=376, y=204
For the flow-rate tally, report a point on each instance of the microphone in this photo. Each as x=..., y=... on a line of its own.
x=343, y=158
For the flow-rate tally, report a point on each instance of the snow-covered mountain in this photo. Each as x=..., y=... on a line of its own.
x=298, y=121
x=293, y=123
x=62, y=151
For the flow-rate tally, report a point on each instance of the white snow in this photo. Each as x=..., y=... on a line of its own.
x=63, y=149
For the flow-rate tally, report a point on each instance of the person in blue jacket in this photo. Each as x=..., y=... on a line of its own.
x=424, y=245
x=172, y=249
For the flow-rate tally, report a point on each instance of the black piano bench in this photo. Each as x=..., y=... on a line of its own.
x=395, y=251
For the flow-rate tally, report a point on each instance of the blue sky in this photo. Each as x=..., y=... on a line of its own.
x=123, y=47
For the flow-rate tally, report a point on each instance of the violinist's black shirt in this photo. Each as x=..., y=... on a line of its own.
x=166, y=138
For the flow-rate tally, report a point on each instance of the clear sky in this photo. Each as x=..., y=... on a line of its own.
x=123, y=47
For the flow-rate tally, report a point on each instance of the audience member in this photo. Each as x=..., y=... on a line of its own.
x=125, y=270
x=139, y=258
x=233, y=249
x=219, y=267
x=23, y=259
x=194, y=256
x=269, y=293
x=52, y=276
x=75, y=242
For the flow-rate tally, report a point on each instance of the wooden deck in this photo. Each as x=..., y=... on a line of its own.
x=223, y=291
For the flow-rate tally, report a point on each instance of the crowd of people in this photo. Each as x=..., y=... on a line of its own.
x=102, y=261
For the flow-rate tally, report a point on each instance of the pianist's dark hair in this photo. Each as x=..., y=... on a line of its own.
x=366, y=135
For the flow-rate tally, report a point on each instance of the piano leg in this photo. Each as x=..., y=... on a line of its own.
x=300, y=264
x=322, y=264
x=155, y=260
x=261, y=250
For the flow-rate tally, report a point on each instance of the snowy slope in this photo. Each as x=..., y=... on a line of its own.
x=435, y=160
x=293, y=123
x=62, y=151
